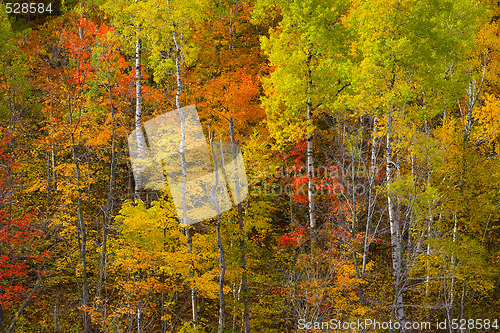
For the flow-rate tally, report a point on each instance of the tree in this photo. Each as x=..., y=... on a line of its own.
x=406, y=59
x=303, y=51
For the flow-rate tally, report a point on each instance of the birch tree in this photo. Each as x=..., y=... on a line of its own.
x=305, y=78
x=166, y=26
x=405, y=57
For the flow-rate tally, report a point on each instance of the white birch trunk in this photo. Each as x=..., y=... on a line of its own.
x=141, y=142
x=396, y=239
x=310, y=172
x=372, y=197
x=180, y=86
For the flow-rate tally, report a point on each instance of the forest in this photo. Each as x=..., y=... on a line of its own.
x=250, y=166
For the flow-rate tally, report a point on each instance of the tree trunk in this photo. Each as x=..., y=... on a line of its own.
x=80, y=223
x=451, y=305
x=83, y=243
x=473, y=92
x=310, y=154
x=429, y=225
x=372, y=197
x=310, y=171
x=396, y=239
x=222, y=263
x=139, y=317
x=180, y=86
x=244, y=283
x=107, y=210
x=194, y=296
x=83, y=257
x=56, y=315
x=141, y=142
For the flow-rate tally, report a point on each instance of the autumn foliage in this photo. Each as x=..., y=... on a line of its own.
x=370, y=136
